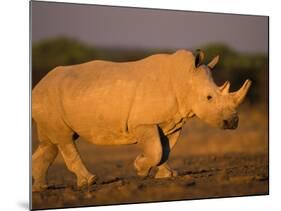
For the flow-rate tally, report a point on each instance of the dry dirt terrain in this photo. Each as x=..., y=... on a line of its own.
x=211, y=163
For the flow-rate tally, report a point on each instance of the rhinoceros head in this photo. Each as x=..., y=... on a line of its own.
x=215, y=104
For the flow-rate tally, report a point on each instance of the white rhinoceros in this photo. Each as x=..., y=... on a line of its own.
x=144, y=102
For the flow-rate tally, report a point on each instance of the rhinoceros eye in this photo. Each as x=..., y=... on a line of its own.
x=209, y=97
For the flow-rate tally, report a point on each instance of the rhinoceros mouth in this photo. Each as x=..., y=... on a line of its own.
x=231, y=124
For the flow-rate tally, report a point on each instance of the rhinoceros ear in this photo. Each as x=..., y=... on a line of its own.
x=214, y=62
x=199, y=57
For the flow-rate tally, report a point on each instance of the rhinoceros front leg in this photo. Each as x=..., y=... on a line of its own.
x=74, y=164
x=149, y=140
x=164, y=171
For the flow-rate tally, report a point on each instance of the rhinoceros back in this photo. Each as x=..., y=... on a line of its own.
x=102, y=101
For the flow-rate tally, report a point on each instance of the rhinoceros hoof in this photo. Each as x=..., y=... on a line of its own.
x=84, y=183
x=165, y=173
x=39, y=187
x=140, y=166
x=143, y=173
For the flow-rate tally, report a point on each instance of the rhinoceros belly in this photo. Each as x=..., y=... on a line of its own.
x=101, y=136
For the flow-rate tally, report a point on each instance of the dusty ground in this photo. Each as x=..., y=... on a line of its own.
x=211, y=163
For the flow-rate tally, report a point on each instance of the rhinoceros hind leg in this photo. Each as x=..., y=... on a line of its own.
x=149, y=140
x=74, y=164
x=43, y=157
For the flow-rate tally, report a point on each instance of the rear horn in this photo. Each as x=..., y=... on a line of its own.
x=225, y=87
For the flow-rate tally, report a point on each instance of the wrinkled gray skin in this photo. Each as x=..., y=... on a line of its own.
x=144, y=102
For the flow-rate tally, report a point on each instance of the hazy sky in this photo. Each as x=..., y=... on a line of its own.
x=147, y=28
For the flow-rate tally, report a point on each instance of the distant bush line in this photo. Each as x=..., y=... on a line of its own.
x=233, y=66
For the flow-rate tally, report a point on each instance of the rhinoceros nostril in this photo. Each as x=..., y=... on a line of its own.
x=235, y=121
x=225, y=123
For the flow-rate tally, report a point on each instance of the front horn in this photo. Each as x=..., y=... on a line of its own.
x=242, y=92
